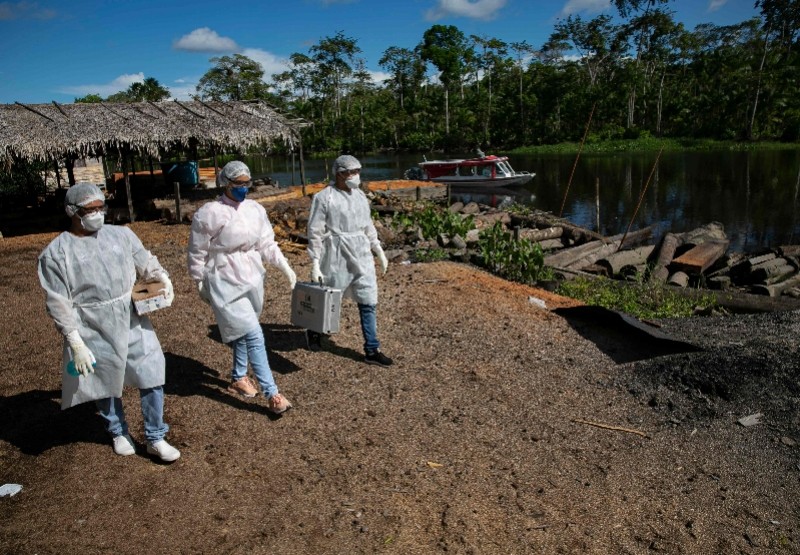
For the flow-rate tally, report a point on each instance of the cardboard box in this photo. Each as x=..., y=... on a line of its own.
x=316, y=307
x=147, y=298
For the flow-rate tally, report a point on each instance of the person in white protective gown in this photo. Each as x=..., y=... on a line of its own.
x=341, y=240
x=88, y=274
x=230, y=240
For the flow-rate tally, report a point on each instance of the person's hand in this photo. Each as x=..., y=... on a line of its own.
x=168, y=290
x=383, y=261
x=381, y=258
x=82, y=357
x=201, y=291
x=316, y=273
x=288, y=272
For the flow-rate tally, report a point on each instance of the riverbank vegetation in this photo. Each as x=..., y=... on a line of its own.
x=637, y=75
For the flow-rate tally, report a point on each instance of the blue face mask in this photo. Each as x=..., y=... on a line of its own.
x=238, y=193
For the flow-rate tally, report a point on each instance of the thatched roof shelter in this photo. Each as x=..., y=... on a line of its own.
x=45, y=132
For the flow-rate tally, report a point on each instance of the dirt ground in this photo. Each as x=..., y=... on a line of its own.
x=502, y=428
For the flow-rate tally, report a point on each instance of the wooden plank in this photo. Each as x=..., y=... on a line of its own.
x=698, y=259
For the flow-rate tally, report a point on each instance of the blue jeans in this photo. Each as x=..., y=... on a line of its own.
x=369, y=327
x=251, y=346
x=152, y=400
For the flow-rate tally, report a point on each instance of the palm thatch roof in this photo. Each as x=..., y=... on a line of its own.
x=44, y=132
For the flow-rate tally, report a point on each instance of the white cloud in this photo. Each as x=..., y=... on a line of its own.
x=378, y=77
x=24, y=10
x=182, y=91
x=715, y=5
x=205, y=40
x=474, y=9
x=121, y=83
x=270, y=63
x=585, y=6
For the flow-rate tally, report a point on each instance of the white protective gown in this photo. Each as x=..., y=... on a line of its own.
x=88, y=283
x=228, y=246
x=341, y=236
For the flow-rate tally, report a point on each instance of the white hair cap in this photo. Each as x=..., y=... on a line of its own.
x=345, y=162
x=231, y=171
x=80, y=195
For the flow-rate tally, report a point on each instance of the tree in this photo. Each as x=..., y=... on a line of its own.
x=89, y=99
x=445, y=47
x=333, y=58
x=234, y=77
x=149, y=89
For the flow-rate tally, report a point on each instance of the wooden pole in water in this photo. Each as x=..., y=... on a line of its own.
x=641, y=197
x=597, y=201
x=575, y=165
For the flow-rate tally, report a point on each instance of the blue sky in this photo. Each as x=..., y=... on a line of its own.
x=62, y=49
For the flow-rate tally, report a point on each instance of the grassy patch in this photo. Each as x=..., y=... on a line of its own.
x=642, y=300
x=647, y=144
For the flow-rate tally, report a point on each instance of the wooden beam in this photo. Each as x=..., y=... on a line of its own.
x=104, y=105
x=212, y=109
x=154, y=105
x=37, y=112
x=60, y=109
x=697, y=260
x=189, y=110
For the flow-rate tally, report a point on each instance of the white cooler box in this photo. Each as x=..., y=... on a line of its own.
x=147, y=298
x=316, y=307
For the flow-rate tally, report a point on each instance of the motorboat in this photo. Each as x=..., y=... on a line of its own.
x=484, y=171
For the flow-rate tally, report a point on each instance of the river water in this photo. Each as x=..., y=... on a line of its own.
x=753, y=194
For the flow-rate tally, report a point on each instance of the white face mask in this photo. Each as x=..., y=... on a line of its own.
x=93, y=222
x=353, y=181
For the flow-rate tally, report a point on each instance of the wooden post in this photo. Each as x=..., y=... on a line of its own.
x=516, y=233
x=177, y=187
x=302, y=166
x=216, y=166
x=419, y=192
x=125, y=161
x=152, y=172
x=449, y=194
x=70, y=173
x=293, y=167
x=597, y=201
x=58, y=174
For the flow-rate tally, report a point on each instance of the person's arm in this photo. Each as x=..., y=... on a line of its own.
x=58, y=297
x=317, y=226
x=374, y=242
x=199, y=245
x=269, y=249
x=147, y=265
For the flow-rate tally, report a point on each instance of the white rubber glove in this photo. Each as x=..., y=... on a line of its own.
x=382, y=259
x=202, y=292
x=81, y=355
x=284, y=267
x=316, y=273
x=168, y=290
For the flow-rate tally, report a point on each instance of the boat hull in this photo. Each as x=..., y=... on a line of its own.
x=478, y=181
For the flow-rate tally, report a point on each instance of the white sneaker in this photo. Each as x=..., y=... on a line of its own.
x=163, y=450
x=123, y=445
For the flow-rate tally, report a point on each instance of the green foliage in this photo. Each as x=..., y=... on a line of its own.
x=433, y=221
x=639, y=299
x=521, y=261
x=22, y=184
x=430, y=255
x=234, y=77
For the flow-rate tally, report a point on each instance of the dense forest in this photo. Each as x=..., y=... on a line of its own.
x=637, y=74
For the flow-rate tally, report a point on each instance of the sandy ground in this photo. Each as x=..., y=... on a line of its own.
x=502, y=428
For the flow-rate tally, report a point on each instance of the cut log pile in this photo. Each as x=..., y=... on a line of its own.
x=693, y=262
